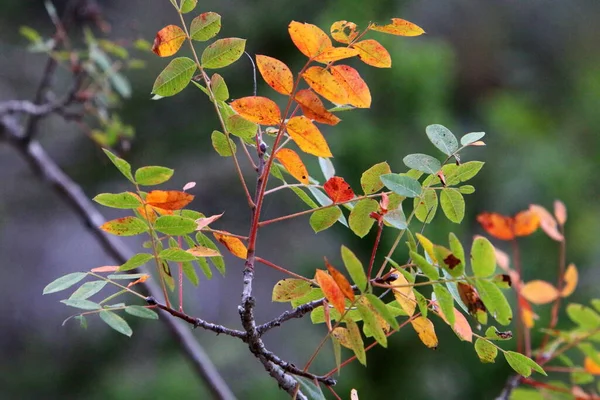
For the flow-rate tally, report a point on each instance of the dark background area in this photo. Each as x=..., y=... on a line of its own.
x=525, y=72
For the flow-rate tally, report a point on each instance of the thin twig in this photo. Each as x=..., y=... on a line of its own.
x=297, y=312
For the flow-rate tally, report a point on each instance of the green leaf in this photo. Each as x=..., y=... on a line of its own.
x=187, y=6
x=402, y=184
x=115, y=322
x=82, y=304
x=486, y=351
x=122, y=165
x=175, y=77
x=596, y=304
x=447, y=260
x=360, y=220
x=125, y=200
x=483, y=257
x=421, y=302
x=453, y=204
x=240, y=127
x=64, y=282
x=218, y=262
x=396, y=218
x=219, y=142
x=222, y=53
x=382, y=310
x=494, y=300
x=126, y=226
x=88, y=289
x=527, y=394
x=219, y=87
x=141, y=312
x=30, y=34
x=422, y=162
x=136, y=261
x=148, y=176
x=468, y=170
x=446, y=302
x=583, y=316
x=467, y=189
x=192, y=215
x=370, y=182
x=372, y=324
x=314, y=294
x=115, y=277
x=190, y=272
x=429, y=270
x=337, y=353
x=354, y=268
x=442, y=138
x=309, y=388
x=426, y=205
x=590, y=351
x=471, y=137
x=175, y=225
x=493, y=333
x=457, y=249
x=304, y=197
x=290, y=289
x=325, y=218
x=522, y=364
x=205, y=26
x=356, y=341
x=82, y=321
x=581, y=378
x=176, y=254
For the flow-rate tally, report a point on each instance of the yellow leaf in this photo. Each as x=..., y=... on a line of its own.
x=201, y=251
x=323, y=82
x=404, y=294
x=591, y=367
x=341, y=334
x=343, y=31
x=372, y=53
x=356, y=89
x=168, y=41
x=257, y=109
x=427, y=246
x=571, y=277
x=335, y=54
x=528, y=317
x=168, y=199
x=426, y=331
x=399, y=27
x=293, y=164
x=233, y=244
x=276, y=74
x=308, y=38
x=308, y=137
x=539, y=292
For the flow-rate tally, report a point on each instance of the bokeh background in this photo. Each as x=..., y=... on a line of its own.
x=525, y=72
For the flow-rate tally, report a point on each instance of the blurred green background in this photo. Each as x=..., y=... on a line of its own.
x=525, y=72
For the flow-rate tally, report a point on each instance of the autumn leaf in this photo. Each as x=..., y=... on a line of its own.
x=338, y=190
x=108, y=268
x=126, y=226
x=324, y=83
x=357, y=90
x=313, y=107
x=343, y=31
x=204, y=222
x=507, y=228
x=547, y=222
x=469, y=296
x=341, y=281
x=571, y=277
x=142, y=279
x=372, y=53
x=426, y=331
x=168, y=41
x=202, y=251
x=308, y=137
x=404, y=294
x=233, y=244
x=257, y=109
x=168, y=199
x=539, y=292
x=341, y=334
x=335, y=54
x=331, y=290
x=308, y=38
x=461, y=326
x=276, y=74
x=591, y=367
x=560, y=212
x=293, y=164
x=398, y=27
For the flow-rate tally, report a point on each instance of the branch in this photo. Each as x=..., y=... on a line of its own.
x=511, y=384
x=49, y=171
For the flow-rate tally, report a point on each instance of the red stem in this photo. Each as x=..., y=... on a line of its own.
x=375, y=247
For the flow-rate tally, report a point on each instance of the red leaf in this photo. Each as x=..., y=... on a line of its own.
x=331, y=290
x=338, y=190
x=341, y=281
x=313, y=107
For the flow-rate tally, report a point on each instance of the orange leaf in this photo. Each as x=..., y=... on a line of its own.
x=308, y=38
x=168, y=41
x=204, y=222
x=293, y=164
x=404, y=294
x=276, y=74
x=168, y=199
x=143, y=278
x=426, y=331
x=507, y=228
x=323, y=82
x=257, y=109
x=571, y=277
x=539, y=292
x=461, y=327
x=108, y=268
x=357, y=90
x=308, y=137
x=341, y=281
x=547, y=222
x=338, y=190
x=591, y=367
x=372, y=53
x=201, y=251
x=560, y=212
x=528, y=317
x=343, y=31
x=335, y=54
x=313, y=107
x=331, y=290
x=399, y=27
x=233, y=244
